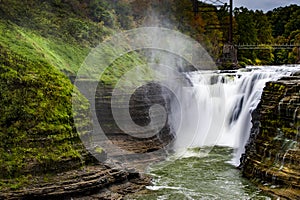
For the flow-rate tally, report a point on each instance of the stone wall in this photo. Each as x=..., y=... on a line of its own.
x=272, y=157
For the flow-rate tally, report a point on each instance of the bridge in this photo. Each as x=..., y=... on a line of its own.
x=262, y=47
x=266, y=46
x=230, y=50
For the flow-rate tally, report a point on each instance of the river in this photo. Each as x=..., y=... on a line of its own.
x=209, y=177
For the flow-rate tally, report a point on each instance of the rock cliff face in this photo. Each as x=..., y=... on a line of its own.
x=272, y=156
x=135, y=147
x=41, y=154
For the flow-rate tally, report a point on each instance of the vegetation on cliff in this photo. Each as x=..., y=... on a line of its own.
x=36, y=126
x=41, y=44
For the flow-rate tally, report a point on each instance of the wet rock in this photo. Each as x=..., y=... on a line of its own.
x=91, y=182
x=272, y=156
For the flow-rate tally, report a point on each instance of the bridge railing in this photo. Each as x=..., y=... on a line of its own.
x=266, y=46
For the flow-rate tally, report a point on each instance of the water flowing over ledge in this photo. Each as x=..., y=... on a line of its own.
x=226, y=100
x=246, y=95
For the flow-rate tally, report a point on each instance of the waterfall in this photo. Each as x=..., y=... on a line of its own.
x=226, y=100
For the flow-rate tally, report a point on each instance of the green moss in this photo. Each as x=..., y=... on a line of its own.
x=64, y=56
x=14, y=184
x=131, y=63
x=36, y=124
x=70, y=21
x=98, y=150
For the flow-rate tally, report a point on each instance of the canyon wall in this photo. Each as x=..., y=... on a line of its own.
x=272, y=156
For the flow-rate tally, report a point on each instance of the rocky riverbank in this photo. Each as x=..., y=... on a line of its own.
x=272, y=157
x=91, y=182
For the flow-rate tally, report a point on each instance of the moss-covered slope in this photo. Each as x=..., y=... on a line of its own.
x=36, y=125
x=37, y=133
x=41, y=44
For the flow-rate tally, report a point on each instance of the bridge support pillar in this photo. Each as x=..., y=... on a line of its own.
x=229, y=54
x=298, y=55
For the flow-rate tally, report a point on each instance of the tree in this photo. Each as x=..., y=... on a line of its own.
x=294, y=38
x=279, y=17
x=264, y=36
x=263, y=27
x=293, y=24
x=281, y=55
x=247, y=31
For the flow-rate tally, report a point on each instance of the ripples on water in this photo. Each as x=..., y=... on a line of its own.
x=209, y=177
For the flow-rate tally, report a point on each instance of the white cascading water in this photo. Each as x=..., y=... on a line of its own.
x=226, y=101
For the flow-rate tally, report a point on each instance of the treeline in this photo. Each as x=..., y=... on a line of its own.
x=279, y=26
x=86, y=22
x=210, y=27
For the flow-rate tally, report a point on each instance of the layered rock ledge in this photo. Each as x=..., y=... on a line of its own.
x=272, y=156
x=90, y=182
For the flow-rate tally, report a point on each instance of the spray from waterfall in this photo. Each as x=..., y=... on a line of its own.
x=190, y=121
x=242, y=92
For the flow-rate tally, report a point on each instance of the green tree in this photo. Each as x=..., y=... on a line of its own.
x=281, y=55
x=263, y=27
x=293, y=24
x=247, y=32
x=264, y=36
x=279, y=17
x=294, y=38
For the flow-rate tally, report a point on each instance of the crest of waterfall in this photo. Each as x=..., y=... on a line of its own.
x=225, y=101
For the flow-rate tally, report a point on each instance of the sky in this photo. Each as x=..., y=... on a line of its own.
x=264, y=5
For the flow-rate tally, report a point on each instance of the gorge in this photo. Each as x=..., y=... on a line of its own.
x=209, y=157
x=229, y=134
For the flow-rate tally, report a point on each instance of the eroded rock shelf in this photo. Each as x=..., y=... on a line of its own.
x=272, y=155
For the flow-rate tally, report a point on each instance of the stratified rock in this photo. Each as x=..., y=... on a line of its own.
x=272, y=155
x=90, y=182
x=41, y=154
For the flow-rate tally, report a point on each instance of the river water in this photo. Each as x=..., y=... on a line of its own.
x=213, y=174
x=209, y=177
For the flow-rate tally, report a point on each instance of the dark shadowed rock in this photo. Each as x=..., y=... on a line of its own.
x=272, y=154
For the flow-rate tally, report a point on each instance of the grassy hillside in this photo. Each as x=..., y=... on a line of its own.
x=53, y=31
x=62, y=55
x=36, y=125
x=41, y=43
